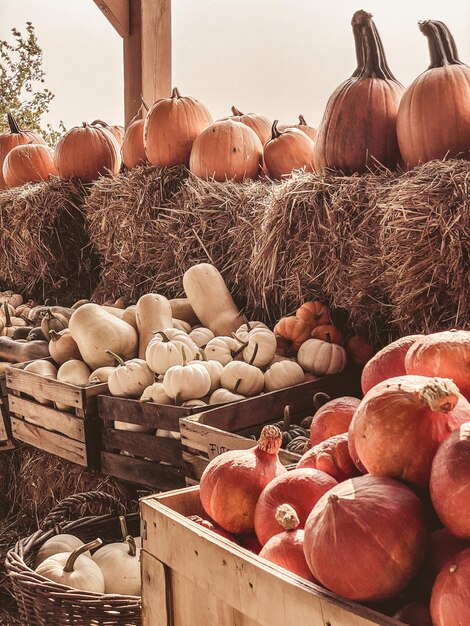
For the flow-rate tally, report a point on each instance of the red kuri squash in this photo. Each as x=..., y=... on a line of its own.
x=450, y=599
x=333, y=418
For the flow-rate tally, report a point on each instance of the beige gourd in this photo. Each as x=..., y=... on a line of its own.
x=74, y=372
x=95, y=331
x=101, y=375
x=153, y=313
x=211, y=300
x=62, y=346
x=127, y=315
x=181, y=309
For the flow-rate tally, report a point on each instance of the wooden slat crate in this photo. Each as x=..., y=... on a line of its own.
x=71, y=434
x=231, y=426
x=193, y=577
x=6, y=442
x=145, y=459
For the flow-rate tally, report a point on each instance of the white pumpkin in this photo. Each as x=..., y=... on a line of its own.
x=192, y=403
x=283, y=374
x=260, y=347
x=224, y=396
x=214, y=369
x=238, y=376
x=130, y=378
x=221, y=349
x=101, y=374
x=165, y=350
x=120, y=564
x=201, y=336
x=247, y=327
x=321, y=357
x=61, y=542
x=186, y=382
x=155, y=393
x=74, y=569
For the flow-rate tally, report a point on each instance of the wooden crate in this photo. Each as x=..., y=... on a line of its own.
x=145, y=459
x=193, y=577
x=6, y=442
x=233, y=426
x=72, y=434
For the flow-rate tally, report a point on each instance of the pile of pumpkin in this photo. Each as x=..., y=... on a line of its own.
x=369, y=119
x=113, y=568
x=379, y=508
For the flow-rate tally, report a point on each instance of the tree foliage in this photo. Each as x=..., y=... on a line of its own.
x=22, y=84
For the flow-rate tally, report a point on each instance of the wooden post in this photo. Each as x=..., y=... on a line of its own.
x=145, y=26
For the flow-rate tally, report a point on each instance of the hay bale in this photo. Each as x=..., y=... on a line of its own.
x=425, y=244
x=128, y=217
x=45, y=250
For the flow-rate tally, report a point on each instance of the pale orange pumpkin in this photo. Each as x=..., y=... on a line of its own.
x=314, y=313
x=115, y=129
x=170, y=128
x=87, y=152
x=433, y=120
x=227, y=151
x=288, y=150
x=16, y=137
x=328, y=332
x=310, y=131
x=291, y=332
x=132, y=149
x=28, y=163
x=259, y=123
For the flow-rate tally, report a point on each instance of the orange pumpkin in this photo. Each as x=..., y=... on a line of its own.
x=291, y=332
x=259, y=123
x=86, y=152
x=314, y=313
x=132, y=149
x=170, y=128
x=227, y=151
x=287, y=151
x=328, y=332
x=310, y=131
x=359, y=350
x=28, y=163
x=16, y=137
x=116, y=130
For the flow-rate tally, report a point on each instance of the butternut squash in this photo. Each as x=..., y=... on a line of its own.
x=95, y=331
x=74, y=372
x=182, y=325
x=181, y=309
x=62, y=346
x=211, y=300
x=128, y=315
x=153, y=312
x=18, y=352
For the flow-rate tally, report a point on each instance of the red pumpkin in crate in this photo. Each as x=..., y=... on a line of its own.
x=328, y=332
x=445, y=354
x=450, y=599
x=450, y=482
x=291, y=332
x=401, y=422
x=333, y=418
x=314, y=313
x=365, y=538
x=387, y=363
x=332, y=457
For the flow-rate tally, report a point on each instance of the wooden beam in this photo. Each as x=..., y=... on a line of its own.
x=147, y=54
x=117, y=13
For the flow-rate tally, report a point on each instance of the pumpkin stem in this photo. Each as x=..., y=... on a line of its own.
x=247, y=323
x=175, y=93
x=275, y=132
x=27, y=320
x=162, y=335
x=359, y=49
x=145, y=105
x=319, y=399
x=202, y=352
x=84, y=124
x=333, y=498
x=327, y=337
x=54, y=335
x=237, y=385
x=440, y=395
x=183, y=354
x=255, y=353
x=286, y=516
x=302, y=120
x=13, y=124
x=132, y=547
x=100, y=123
x=374, y=62
x=116, y=357
x=270, y=439
x=286, y=419
x=235, y=336
x=123, y=527
x=439, y=44
x=68, y=567
x=236, y=112
x=448, y=42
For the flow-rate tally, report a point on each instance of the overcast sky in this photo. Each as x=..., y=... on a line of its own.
x=277, y=57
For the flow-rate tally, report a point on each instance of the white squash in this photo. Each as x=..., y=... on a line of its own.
x=283, y=374
x=201, y=336
x=214, y=369
x=321, y=357
x=224, y=396
x=120, y=564
x=101, y=375
x=182, y=325
x=74, y=372
x=221, y=349
x=61, y=542
x=187, y=381
x=193, y=403
x=243, y=330
x=130, y=378
x=165, y=349
x=260, y=347
x=156, y=393
x=238, y=376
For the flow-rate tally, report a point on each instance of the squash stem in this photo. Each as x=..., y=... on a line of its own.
x=69, y=565
x=275, y=132
x=237, y=385
x=286, y=419
x=13, y=124
x=116, y=357
x=123, y=527
x=438, y=50
x=164, y=337
x=236, y=112
x=302, y=120
x=255, y=353
x=132, y=547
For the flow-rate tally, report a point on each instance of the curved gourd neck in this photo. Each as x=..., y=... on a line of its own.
x=442, y=47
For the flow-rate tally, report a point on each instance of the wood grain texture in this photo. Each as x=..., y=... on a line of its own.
x=117, y=13
x=48, y=441
x=140, y=444
x=48, y=418
x=204, y=564
x=146, y=473
x=154, y=591
x=143, y=413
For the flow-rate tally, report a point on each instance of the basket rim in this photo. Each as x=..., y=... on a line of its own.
x=22, y=574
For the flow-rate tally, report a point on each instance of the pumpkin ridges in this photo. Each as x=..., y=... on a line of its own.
x=28, y=163
x=133, y=149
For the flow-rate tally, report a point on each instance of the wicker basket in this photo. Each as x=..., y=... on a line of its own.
x=42, y=602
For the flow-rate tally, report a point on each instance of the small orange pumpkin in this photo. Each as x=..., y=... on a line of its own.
x=133, y=151
x=314, y=313
x=287, y=151
x=16, y=137
x=359, y=350
x=227, y=151
x=259, y=123
x=328, y=332
x=28, y=163
x=291, y=332
x=170, y=128
x=310, y=131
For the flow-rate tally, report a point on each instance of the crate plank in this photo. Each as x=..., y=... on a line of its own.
x=48, y=441
x=154, y=603
x=140, y=444
x=147, y=473
x=261, y=591
x=49, y=418
x=147, y=413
